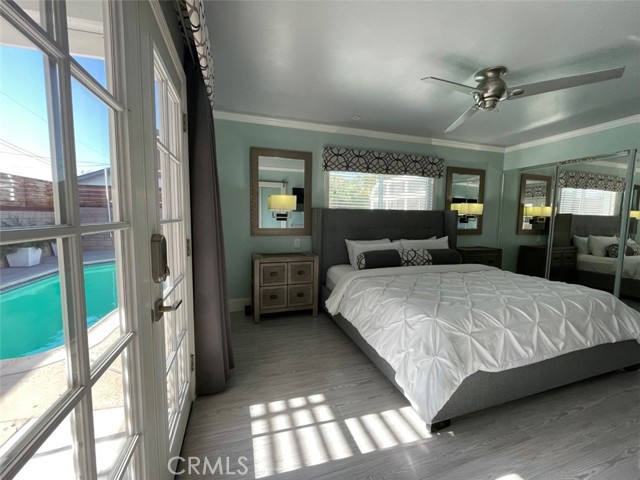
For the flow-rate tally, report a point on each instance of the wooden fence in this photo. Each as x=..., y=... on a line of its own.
x=30, y=194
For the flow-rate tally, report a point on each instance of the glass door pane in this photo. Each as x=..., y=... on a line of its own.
x=66, y=312
x=28, y=153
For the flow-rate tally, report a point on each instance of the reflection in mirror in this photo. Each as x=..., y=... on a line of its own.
x=590, y=202
x=280, y=192
x=465, y=194
x=281, y=184
x=535, y=200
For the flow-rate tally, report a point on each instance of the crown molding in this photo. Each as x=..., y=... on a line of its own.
x=320, y=127
x=576, y=133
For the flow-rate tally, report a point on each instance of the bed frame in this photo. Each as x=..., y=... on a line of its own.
x=569, y=225
x=482, y=389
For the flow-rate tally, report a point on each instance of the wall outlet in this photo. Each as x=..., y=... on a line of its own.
x=296, y=243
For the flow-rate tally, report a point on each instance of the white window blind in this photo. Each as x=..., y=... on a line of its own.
x=376, y=191
x=583, y=201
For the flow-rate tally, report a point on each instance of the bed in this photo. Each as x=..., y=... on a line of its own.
x=593, y=271
x=481, y=389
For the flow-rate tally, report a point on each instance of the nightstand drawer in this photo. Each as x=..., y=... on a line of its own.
x=300, y=272
x=489, y=256
x=490, y=260
x=273, y=274
x=273, y=297
x=300, y=295
x=569, y=258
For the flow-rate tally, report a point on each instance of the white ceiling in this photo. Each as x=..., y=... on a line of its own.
x=327, y=62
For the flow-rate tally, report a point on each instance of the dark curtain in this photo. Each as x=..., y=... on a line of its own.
x=214, y=354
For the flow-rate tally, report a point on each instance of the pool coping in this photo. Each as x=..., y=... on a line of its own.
x=23, y=282
x=97, y=333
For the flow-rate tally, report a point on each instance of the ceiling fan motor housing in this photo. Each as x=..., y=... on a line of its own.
x=492, y=87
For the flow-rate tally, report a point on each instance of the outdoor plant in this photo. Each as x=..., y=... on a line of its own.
x=14, y=247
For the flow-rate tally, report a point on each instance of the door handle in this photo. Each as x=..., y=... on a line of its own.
x=159, y=308
x=159, y=262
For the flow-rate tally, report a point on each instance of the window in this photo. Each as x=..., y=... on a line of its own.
x=376, y=191
x=582, y=201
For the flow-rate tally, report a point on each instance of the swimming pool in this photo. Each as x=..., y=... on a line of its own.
x=31, y=315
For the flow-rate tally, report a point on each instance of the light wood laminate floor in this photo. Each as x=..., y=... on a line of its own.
x=303, y=402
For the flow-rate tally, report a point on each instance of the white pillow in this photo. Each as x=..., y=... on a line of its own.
x=358, y=249
x=350, y=243
x=581, y=244
x=431, y=243
x=598, y=245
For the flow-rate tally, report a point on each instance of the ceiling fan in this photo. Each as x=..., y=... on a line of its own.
x=492, y=89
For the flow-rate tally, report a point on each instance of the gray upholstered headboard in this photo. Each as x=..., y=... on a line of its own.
x=585, y=225
x=332, y=226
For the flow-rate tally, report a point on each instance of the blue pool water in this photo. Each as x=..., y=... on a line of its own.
x=31, y=316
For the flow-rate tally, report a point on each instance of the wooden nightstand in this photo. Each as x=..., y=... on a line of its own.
x=532, y=259
x=284, y=282
x=490, y=256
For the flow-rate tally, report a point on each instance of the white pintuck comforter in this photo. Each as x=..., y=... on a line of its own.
x=436, y=325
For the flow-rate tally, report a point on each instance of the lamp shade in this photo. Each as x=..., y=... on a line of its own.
x=468, y=208
x=281, y=203
x=635, y=214
x=541, y=211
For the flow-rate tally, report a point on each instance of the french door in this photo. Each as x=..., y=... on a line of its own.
x=168, y=212
x=174, y=329
x=94, y=382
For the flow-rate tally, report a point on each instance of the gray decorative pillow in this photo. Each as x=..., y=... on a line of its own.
x=394, y=258
x=415, y=256
x=378, y=259
x=630, y=251
x=445, y=256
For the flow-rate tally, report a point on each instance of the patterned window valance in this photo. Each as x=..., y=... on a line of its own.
x=194, y=27
x=338, y=159
x=535, y=191
x=592, y=181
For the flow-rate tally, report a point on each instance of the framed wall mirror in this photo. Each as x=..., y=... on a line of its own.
x=534, y=209
x=280, y=192
x=465, y=193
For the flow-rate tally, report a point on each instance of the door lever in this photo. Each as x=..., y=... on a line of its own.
x=159, y=309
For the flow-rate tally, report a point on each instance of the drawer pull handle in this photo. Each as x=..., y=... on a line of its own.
x=301, y=272
x=300, y=294
x=273, y=297
x=274, y=274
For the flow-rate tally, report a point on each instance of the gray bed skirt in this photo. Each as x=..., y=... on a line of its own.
x=486, y=389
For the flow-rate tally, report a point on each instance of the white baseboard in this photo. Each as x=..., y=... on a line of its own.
x=237, y=304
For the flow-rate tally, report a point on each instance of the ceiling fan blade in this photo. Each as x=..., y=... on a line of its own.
x=562, y=83
x=458, y=86
x=462, y=118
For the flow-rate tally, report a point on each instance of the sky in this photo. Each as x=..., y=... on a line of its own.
x=24, y=134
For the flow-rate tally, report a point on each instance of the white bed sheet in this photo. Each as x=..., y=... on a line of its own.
x=437, y=325
x=607, y=265
x=335, y=273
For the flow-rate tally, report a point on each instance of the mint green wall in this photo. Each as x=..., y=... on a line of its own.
x=607, y=141
x=233, y=140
